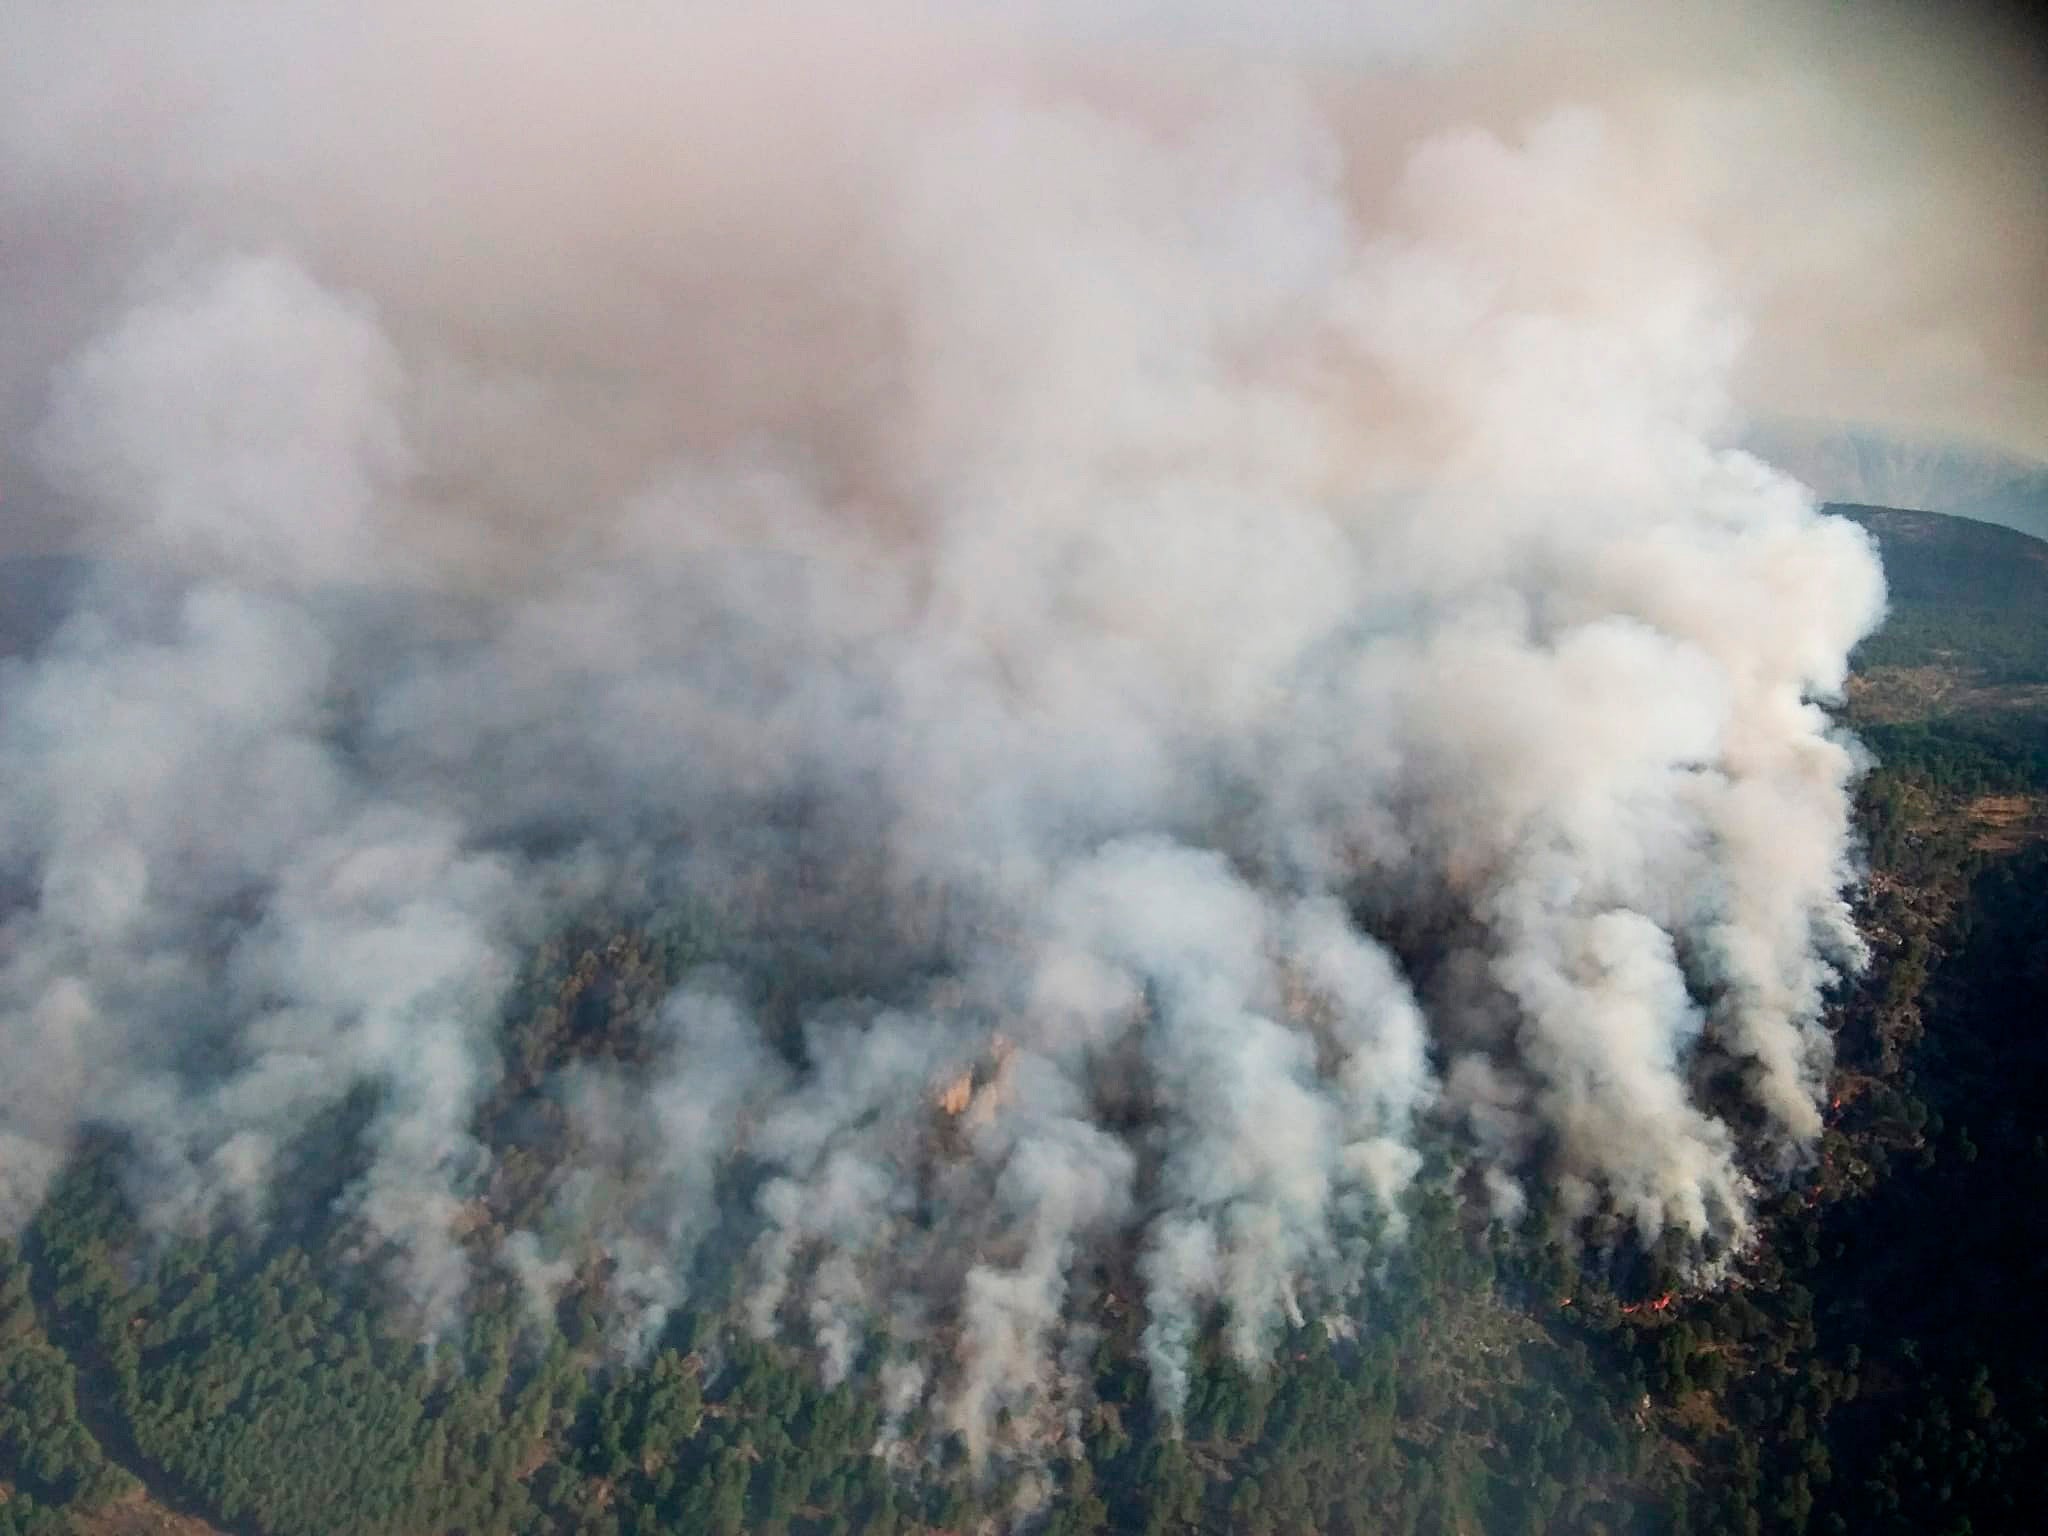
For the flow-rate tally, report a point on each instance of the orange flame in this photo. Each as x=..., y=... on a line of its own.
x=978, y=1083
x=957, y=1094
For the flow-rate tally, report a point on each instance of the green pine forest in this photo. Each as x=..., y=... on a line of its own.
x=1878, y=1365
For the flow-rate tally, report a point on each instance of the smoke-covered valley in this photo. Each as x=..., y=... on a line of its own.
x=1185, y=633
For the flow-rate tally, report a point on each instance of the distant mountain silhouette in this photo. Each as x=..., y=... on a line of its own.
x=1869, y=467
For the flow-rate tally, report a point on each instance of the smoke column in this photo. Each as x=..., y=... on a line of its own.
x=1190, y=587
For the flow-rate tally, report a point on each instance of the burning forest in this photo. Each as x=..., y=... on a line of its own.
x=1188, y=645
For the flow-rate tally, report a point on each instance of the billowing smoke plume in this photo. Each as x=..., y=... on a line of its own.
x=1179, y=634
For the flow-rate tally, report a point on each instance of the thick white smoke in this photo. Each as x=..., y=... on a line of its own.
x=1219, y=643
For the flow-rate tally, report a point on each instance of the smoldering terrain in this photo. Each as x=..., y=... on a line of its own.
x=1212, y=579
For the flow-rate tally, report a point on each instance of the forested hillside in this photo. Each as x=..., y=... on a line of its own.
x=1872, y=1366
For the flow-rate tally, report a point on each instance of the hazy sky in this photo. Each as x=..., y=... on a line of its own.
x=1864, y=182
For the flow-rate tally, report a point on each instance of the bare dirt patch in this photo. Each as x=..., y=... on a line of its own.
x=1901, y=695
x=2002, y=823
x=139, y=1515
x=1891, y=695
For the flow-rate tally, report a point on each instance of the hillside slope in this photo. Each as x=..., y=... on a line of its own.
x=1865, y=1370
x=1967, y=634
